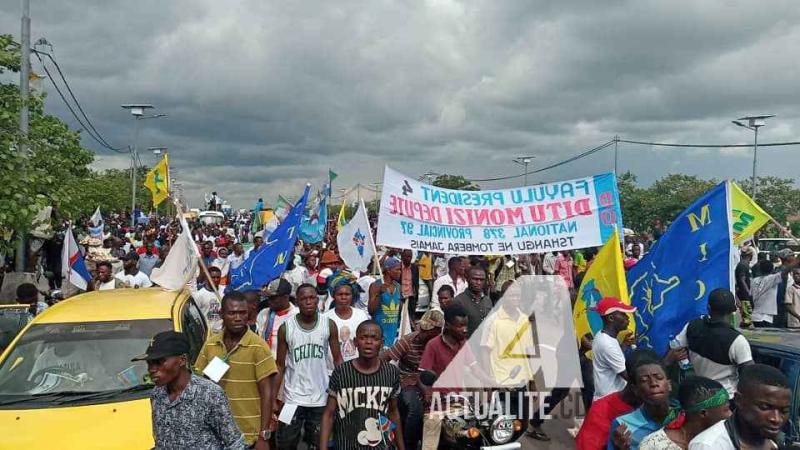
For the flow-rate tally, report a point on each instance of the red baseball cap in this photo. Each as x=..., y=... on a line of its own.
x=608, y=305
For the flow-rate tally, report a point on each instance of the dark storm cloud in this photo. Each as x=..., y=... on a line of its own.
x=265, y=96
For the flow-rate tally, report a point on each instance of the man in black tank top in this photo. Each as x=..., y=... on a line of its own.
x=716, y=349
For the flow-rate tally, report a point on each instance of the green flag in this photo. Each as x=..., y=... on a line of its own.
x=332, y=175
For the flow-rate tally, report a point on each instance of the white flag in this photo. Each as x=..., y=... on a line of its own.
x=356, y=247
x=181, y=263
x=97, y=218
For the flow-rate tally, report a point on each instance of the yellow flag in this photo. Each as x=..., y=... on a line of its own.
x=747, y=216
x=341, y=221
x=604, y=278
x=158, y=181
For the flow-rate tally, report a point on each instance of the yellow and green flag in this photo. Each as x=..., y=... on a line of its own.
x=604, y=278
x=747, y=216
x=341, y=221
x=157, y=181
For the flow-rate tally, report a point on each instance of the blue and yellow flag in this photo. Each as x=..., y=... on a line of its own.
x=270, y=260
x=157, y=181
x=604, y=278
x=669, y=286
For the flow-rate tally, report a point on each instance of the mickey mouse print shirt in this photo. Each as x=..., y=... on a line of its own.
x=361, y=418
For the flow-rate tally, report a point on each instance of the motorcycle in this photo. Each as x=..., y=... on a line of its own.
x=463, y=430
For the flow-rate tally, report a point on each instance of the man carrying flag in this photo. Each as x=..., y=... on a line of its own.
x=73, y=268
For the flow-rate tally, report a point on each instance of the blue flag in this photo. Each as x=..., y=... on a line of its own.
x=670, y=285
x=312, y=228
x=269, y=261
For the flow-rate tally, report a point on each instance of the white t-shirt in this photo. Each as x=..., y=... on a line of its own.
x=459, y=286
x=107, y=286
x=765, y=294
x=236, y=261
x=609, y=362
x=549, y=263
x=713, y=438
x=296, y=277
x=363, y=299
x=140, y=280
x=262, y=321
x=210, y=306
x=347, y=333
x=726, y=375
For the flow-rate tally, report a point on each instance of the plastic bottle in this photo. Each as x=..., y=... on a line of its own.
x=684, y=363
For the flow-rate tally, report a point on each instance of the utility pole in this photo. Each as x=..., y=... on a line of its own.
x=24, y=93
x=616, y=155
x=133, y=173
x=137, y=111
x=524, y=161
x=753, y=123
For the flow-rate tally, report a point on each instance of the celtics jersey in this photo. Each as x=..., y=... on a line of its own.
x=305, y=381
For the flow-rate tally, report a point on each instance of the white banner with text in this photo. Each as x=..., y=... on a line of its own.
x=555, y=216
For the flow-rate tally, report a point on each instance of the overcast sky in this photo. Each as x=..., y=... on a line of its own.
x=263, y=96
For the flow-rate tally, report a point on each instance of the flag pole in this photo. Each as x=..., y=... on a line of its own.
x=202, y=263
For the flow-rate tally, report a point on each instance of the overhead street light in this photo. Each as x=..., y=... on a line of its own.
x=753, y=123
x=524, y=161
x=138, y=112
x=158, y=150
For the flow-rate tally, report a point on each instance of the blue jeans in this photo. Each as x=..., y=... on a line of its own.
x=306, y=421
x=411, y=413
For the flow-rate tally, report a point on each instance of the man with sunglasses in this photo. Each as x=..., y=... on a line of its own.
x=188, y=411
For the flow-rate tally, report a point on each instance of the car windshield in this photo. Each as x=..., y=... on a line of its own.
x=78, y=357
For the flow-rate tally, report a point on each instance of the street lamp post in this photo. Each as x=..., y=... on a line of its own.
x=524, y=161
x=137, y=111
x=753, y=123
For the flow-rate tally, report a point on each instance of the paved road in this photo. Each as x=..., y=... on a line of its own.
x=563, y=418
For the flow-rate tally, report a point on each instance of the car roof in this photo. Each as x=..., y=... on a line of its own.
x=115, y=304
x=774, y=338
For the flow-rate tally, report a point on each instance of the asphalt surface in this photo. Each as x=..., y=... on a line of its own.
x=558, y=427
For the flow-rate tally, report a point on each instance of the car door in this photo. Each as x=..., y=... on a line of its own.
x=194, y=326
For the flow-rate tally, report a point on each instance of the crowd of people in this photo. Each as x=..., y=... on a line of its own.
x=324, y=355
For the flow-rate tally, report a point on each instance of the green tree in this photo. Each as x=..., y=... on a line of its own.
x=455, y=182
x=54, y=159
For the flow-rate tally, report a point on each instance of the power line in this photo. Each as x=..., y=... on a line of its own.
x=560, y=163
x=75, y=99
x=662, y=144
x=99, y=139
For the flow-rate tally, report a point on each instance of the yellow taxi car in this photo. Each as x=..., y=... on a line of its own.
x=67, y=380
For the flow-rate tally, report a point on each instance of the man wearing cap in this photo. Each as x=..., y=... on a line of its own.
x=250, y=370
x=407, y=352
x=279, y=310
x=188, y=411
x=609, y=360
x=716, y=349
